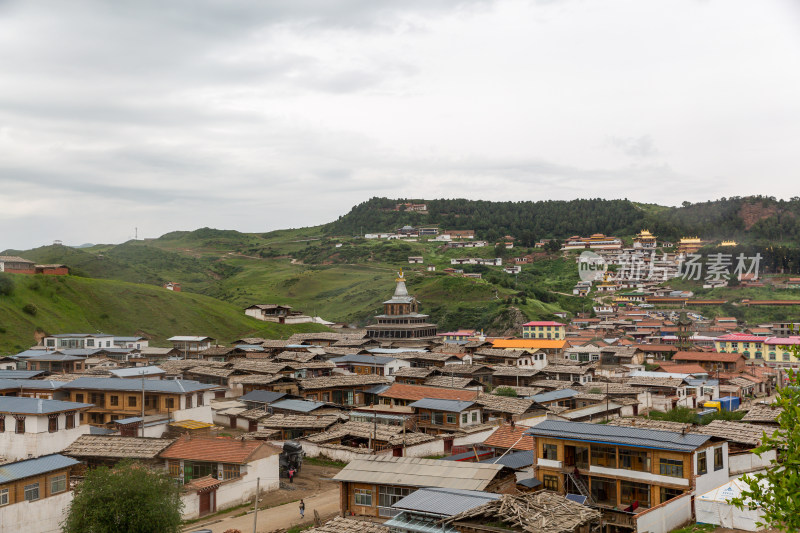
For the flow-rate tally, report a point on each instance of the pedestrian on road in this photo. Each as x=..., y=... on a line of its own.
x=291, y=475
x=302, y=508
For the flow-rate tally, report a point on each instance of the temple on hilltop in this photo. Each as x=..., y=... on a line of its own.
x=644, y=239
x=400, y=319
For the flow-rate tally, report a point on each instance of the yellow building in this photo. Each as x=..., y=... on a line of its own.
x=531, y=345
x=690, y=245
x=644, y=239
x=751, y=346
x=543, y=330
x=728, y=243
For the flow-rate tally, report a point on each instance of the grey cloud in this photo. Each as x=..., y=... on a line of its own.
x=642, y=146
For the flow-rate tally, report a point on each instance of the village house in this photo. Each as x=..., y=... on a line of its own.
x=371, y=364
x=371, y=486
x=281, y=314
x=344, y=390
x=35, y=493
x=437, y=416
x=218, y=473
x=31, y=427
x=404, y=394
x=16, y=265
x=108, y=450
x=115, y=399
x=543, y=330
x=288, y=427
x=712, y=361
x=548, y=346
x=190, y=346
x=78, y=341
x=623, y=470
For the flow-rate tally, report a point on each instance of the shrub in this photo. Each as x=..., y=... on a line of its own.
x=30, y=309
x=6, y=285
x=506, y=391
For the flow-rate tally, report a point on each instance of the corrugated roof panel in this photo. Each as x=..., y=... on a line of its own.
x=627, y=436
x=444, y=502
x=34, y=467
x=453, y=406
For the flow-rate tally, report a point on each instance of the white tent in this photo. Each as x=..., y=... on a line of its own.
x=714, y=507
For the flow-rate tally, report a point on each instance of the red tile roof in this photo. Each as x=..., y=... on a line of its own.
x=405, y=391
x=543, y=323
x=656, y=348
x=203, y=484
x=683, y=369
x=707, y=356
x=506, y=437
x=740, y=337
x=211, y=449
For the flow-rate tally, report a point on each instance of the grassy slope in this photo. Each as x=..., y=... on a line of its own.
x=74, y=304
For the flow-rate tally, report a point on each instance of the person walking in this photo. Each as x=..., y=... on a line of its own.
x=302, y=508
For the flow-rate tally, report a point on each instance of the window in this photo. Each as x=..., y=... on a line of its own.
x=785, y=356
x=52, y=423
x=634, y=460
x=464, y=418
x=437, y=418
x=668, y=494
x=174, y=468
x=604, y=456
x=550, y=482
x=604, y=491
x=189, y=400
x=581, y=456
x=702, y=466
x=79, y=398
x=2, y=423
x=388, y=496
x=114, y=400
x=671, y=467
x=772, y=356
x=32, y=492
x=718, y=460
x=451, y=418
x=131, y=401
x=631, y=492
x=90, y=342
x=69, y=420
x=58, y=484
x=199, y=399
x=4, y=497
x=169, y=403
x=474, y=416
x=230, y=472
x=550, y=451
x=363, y=497
x=20, y=426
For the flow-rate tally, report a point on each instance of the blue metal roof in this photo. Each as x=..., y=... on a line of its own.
x=444, y=502
x=577, y=498
x=129, y=420
x=515, y=460
x=174, y=386
x=467, y=455
x=377, y=389
x=561, y=394
x=251, y=347
x=37, y=406
x=301, y=406
x=530, y=482
x=34, y=467
x=262, y=396
x=395, y=350
x=619, y=435
x=453, y=406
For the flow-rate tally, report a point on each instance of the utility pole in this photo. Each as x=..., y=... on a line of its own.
x=255, y=505
x=606, y=401
x=142, y=373
x=374, y=428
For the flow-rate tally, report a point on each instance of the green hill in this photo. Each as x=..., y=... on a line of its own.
x=60, y=304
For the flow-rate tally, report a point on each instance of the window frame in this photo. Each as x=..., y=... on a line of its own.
x=550, y=452
x=362, y=497
x=702, y=456
x=30, y=488
x=61, y=479
x=550, y=482
x=721, y=465
x=670, y=467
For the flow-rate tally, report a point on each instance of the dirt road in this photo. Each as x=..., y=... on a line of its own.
x=281, y=517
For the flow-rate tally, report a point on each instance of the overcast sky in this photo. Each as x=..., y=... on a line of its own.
x=259, y=115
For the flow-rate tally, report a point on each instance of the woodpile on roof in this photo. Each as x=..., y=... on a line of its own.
x=504, y=404
x=414, y=372
x=540, y=512
x=342, y=381
x=349, y=525
x=763, y=414
x=112, y=446
x=737, y=432
x=298, y=421
x=647, y=423
x=449, y=381
x=366, y=430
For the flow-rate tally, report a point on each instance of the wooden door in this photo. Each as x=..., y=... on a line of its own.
x=205, y=503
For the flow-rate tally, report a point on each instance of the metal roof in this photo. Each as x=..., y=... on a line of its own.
x=444, y=502
x=414, y=472
x=625, y=436
x=302, y=406
x=137, y=371
x=34, y=467
x=377, y=389
x=80, y=335
x=189, y=338
x=530, y=482
x=560, y=394
x=262, y=396
x=129, y=420
x=363, y=358
x=590, y=410
x=20, y=374
x=467, y=455
x=515, y=460
x=453, y=406
x=174, y=386
x=37, y=406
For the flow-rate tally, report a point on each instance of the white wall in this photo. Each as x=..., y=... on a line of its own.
x=41, y=516
x=665, y=518
x=37, y=440
x=712, y=479
x=201, y=414
x=742, y=463
x=473, y=438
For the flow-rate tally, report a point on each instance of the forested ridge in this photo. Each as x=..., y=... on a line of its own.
x=747, y=219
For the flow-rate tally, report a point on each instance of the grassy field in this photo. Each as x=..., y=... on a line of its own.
x=75, y=304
